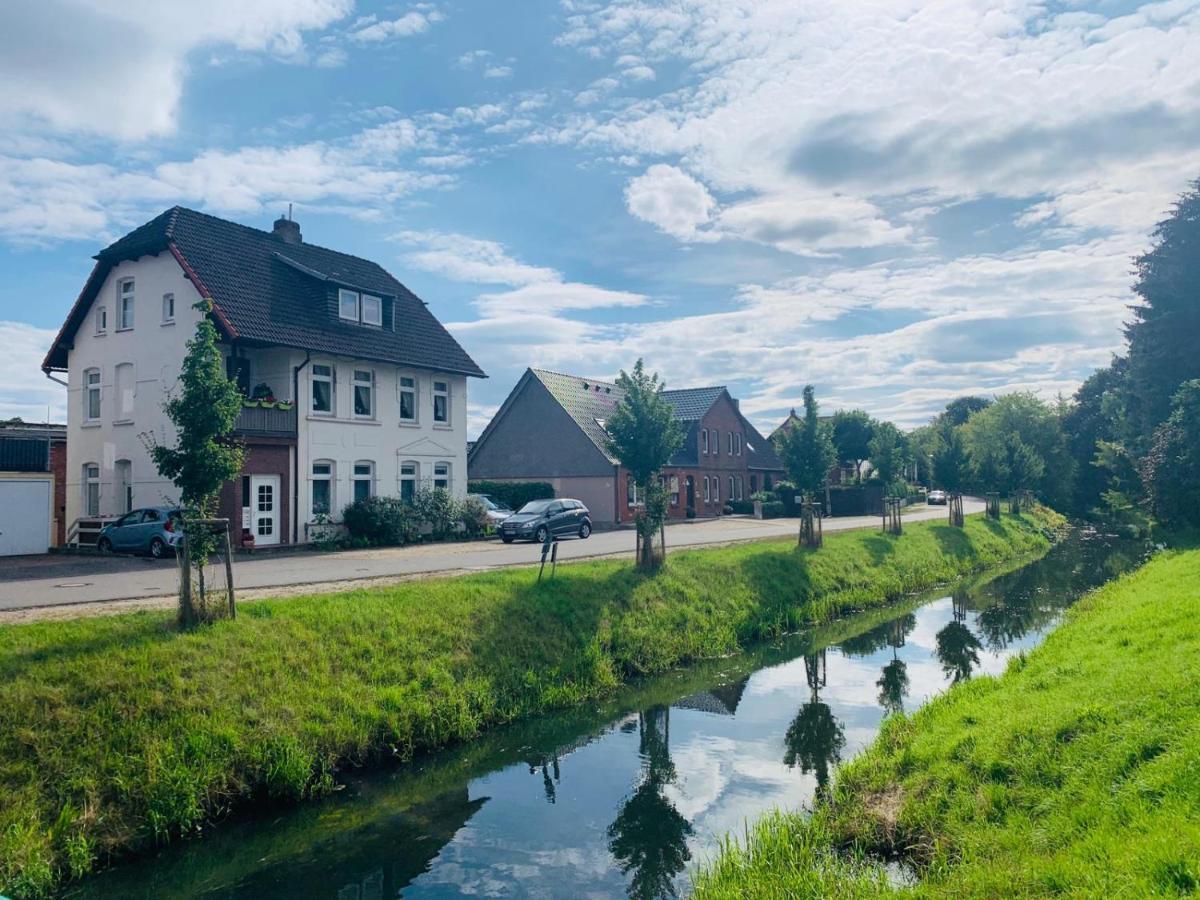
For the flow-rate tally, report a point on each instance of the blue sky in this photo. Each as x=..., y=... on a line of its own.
x=899, y=202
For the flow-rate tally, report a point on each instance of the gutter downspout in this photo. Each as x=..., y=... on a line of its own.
x=296, y=462
x=56, y=380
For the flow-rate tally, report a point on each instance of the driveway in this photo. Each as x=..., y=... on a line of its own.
x=50, y=581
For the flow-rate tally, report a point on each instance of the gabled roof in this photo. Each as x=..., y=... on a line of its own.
x=265, y=290
x=589, y=402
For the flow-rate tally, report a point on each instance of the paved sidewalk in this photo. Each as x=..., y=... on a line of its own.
x=54, y=581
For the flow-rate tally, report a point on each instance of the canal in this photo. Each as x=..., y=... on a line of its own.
x=625, y=797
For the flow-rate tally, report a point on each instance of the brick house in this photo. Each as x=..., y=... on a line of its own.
x=352, y=386
x=551, y=428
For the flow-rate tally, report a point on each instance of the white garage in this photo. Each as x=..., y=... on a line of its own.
x=25, y=511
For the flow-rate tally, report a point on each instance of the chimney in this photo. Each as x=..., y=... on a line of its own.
x=287, y=230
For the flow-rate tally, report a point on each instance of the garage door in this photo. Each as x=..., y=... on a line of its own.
x=24, y=517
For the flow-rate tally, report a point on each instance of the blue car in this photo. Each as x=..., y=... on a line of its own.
x=155, y=530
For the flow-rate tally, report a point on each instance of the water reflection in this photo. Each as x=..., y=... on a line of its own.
x=620, y=799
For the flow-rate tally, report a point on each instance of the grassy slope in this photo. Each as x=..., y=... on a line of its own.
x=116, y=732
x=1077, y=772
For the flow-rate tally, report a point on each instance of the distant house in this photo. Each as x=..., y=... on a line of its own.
x=365, y=391
x=33, y=461
x=839, y=474
x=552, y=428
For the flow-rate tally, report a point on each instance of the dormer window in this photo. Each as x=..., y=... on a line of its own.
x=356, y=307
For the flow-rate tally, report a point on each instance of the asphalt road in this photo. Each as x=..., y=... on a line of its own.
x=47, y=581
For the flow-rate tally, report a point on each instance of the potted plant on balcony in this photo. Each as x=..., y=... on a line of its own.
x=264, y=395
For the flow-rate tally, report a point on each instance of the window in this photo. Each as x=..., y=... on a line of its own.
x=364, y=480
x=123, y=475
x=124, y=387
x=716, y=486
x=408, y=398
x=716, y=442
x=348, y=305
x=101, y=319
x=704, y=441
x=731, y=495
x=264, y=518
x=91, y=489
x=322, y=487
x=441, y=475
x=674, y=488
x=364, y=393
x=707, y=490
x=737, y=443
x=408, y=481
x=168, y=308
x=372, y=310
x=731, y=443
x=91, y=395
x=322, y=390
x=630, y=490
x=125, y=305
x=740, y=485
x=441, y=401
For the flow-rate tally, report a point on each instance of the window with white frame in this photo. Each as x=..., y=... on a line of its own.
x=441, y=401
x=731, y=443
x=372, y=310
x=364, y=393
x=732, y=495
x=101, y=319
x=741, y=484
x=125, y=305
x=716, y=442
x=322, y=389
x=441, y=475
x=408, y=398
x=123, y=387
x=631, y=496
x=364, y=479
x=91, y=489
x=168, y=308
x=704, y=441
x=409, y=471
x=707, y=490
x=674, y=488
x=737, y=444
x=322, y=487
x=348, y=305
x=716, y=486
x=91, y=395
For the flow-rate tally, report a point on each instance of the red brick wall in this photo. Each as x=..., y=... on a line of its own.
x=58, y=467
x=261, y=459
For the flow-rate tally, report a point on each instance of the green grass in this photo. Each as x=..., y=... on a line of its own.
x=1076, y=773
x=118, y=733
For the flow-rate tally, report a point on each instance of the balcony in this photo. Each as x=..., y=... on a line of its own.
x=256, y=421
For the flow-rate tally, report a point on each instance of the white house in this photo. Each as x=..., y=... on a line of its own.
x=370, y=389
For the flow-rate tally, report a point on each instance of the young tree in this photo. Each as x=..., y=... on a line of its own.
x=806, y=449
x=204, y=411
x=852, y=431
x=643, y=435
x=1020, y=430
x=950, y=463
x=888, y=453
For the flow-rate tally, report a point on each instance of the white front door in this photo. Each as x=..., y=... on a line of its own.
x=264, y=509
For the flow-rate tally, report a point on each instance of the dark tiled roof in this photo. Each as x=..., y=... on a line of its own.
x=692, y=403
x=273, y=292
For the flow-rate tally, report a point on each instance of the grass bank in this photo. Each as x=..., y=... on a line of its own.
x=1077, y=772
x=117, y=733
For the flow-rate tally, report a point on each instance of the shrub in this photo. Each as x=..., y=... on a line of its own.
x=380, y=521
x=513, y=493
x=773, y=509
x=473, y=515
x=741, y=507
x=436, y=510
x=763, y=496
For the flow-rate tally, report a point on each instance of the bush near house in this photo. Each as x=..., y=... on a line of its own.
x=514, y=494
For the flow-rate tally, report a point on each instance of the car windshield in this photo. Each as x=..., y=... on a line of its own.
x=535, y=506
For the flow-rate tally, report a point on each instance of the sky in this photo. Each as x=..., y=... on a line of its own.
x=898, y=202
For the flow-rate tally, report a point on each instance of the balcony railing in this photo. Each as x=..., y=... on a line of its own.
x=254, y=421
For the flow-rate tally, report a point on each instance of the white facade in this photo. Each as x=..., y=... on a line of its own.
x=109, y=468
x=133, y=364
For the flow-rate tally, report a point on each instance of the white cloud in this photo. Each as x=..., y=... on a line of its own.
x=672, y=201
x=117, y=69
x=26, y=392
x=498, y=72
x=412, y=22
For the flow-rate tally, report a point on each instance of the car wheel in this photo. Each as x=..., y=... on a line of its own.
x=104, y=545
x=158, y=548
x=542, y=534
x=507, y=539
x=585, y=530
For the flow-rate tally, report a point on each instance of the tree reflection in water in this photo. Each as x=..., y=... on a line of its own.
x=649, y=836
x=815, y=739
x=957, y=648
x=893, y=686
